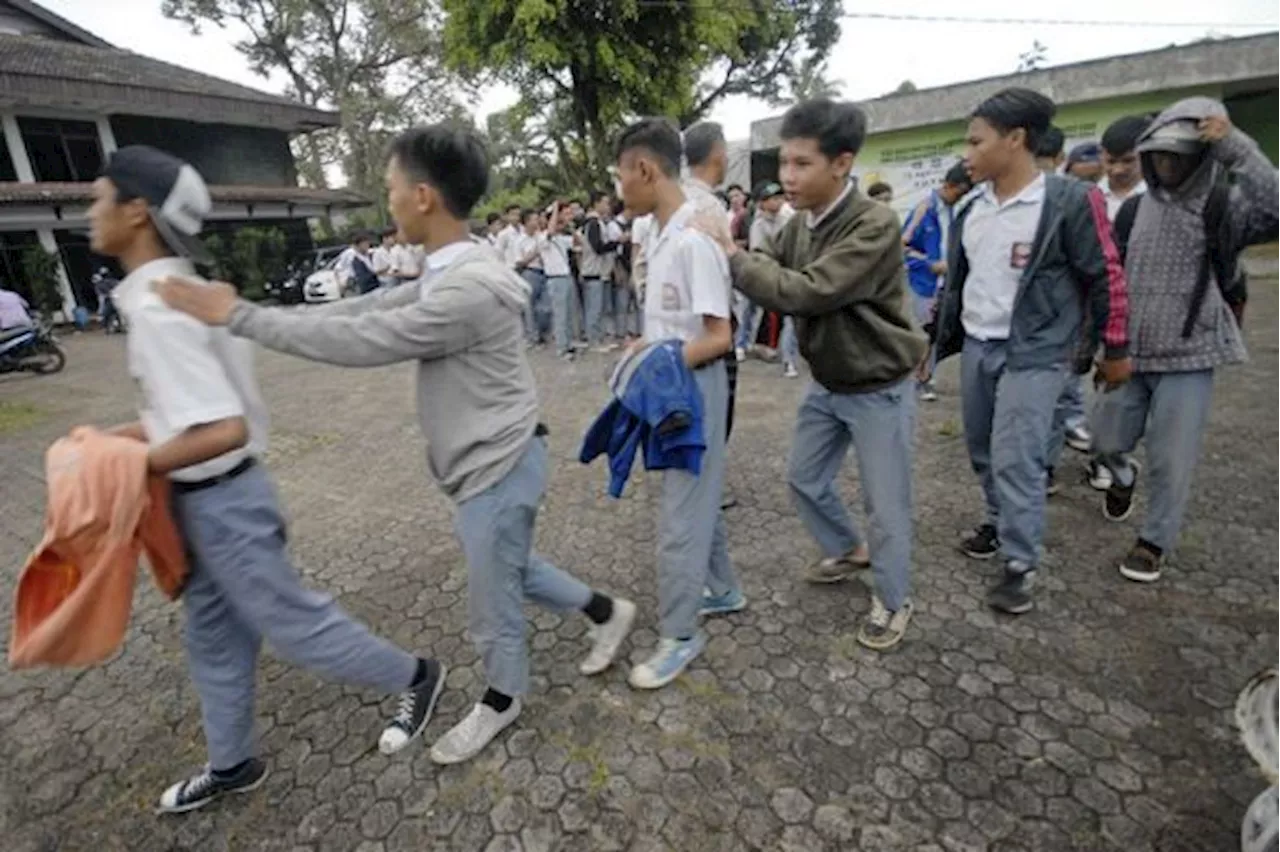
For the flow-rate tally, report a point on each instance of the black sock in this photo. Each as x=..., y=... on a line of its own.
x=426, y=670
x=496, y=700
x=599, y=609
x=1148, y=546
x=231, y=771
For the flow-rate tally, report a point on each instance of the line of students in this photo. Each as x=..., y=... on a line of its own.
x=1032, y=271
x=578, y=266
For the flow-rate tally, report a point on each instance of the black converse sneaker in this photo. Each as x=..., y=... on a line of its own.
x=201, y=789
x=414, y=712
x=982, y=543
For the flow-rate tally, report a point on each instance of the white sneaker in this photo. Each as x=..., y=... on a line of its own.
x=790, y=372
x=607, y=638
x=1100, y=477
x=740, y=354
x=469, y=737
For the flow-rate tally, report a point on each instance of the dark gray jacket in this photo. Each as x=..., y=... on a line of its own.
x=1074, y=272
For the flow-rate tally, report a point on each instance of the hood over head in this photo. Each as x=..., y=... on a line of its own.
x=1176, y=130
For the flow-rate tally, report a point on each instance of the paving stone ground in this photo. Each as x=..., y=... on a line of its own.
x=1102, y=721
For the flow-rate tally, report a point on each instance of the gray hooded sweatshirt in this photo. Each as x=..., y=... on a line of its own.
x=477, y=403
x=1168, y=241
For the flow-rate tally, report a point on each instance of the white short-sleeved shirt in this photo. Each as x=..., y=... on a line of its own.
x=406, y=260
x=187, y=374
x=687, y=279
x=523, y=246
x=640, y=229
x=998, y=240
x=1116, y=201
x=555, y=249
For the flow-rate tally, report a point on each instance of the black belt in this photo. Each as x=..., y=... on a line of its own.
x=189, y=487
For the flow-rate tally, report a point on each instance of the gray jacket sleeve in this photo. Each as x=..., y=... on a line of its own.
x=433, y=326
x=1255, y=218
x=380, y=299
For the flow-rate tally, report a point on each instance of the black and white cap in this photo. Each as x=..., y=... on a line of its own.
x=176, y=195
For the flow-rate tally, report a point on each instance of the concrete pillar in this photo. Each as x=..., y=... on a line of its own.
x=106, y=136
x=17, y=149
x=22, y=167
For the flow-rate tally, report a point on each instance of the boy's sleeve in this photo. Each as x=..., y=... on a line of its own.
x=705, y=267
x=185, y=383
x=435, y=326
x=832, y=281
x=1256, y=218
x=1095, y=260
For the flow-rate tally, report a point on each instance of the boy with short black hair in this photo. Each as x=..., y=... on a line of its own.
x=207, y=426
x=686, y=299
x=597, y=268
x=477, y=404
x=1050, y=150
x=836, y=266
x=1027, y=251
x=1123, y=178
x=924, y=241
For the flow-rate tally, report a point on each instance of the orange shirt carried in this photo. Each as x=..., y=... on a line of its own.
x=76, y=590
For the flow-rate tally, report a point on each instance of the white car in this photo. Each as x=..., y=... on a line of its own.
x=325, y=284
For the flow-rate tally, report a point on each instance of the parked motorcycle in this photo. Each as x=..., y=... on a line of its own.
x=31, y=349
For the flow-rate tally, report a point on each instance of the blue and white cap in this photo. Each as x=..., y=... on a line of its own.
x=176, y=195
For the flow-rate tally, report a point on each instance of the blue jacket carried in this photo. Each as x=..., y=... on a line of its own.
x=924, y=243
x=656, y=405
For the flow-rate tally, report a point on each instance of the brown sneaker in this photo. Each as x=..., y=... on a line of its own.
x=837, y=569
x=1141, y=564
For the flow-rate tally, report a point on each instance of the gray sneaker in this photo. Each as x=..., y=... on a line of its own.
x=883, y=629
x=836, y=569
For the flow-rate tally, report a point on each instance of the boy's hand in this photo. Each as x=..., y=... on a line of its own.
x=210, y=303
x=1114, y=373
x=1214, y=128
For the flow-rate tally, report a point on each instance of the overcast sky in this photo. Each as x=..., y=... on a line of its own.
x=872, y=58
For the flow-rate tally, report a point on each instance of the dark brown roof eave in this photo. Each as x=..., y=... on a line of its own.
x=19, y=193
x=19, y=90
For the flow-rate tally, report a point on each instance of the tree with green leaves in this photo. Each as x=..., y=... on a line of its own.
x=376, y=61
x=592, y=65
x=812, y=81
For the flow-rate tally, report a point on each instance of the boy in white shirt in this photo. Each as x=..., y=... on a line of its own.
x=207, y=427
x=687, y=299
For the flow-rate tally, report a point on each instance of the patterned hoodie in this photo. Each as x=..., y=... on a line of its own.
x=1168, y=242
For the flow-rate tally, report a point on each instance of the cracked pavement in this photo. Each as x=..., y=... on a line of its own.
x=1100, y=721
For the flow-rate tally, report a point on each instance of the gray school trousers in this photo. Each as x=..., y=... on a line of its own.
x=693, y=544
x=880, y=425
x=495, y=529
x=1008, y=417
x=1171, y=411
x=242, y=589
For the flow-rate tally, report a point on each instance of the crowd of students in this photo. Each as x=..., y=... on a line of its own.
x=1012, y=268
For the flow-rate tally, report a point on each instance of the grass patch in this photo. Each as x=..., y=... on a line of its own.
x=15, y=416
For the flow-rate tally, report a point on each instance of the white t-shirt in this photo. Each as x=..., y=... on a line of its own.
x=406, y=260
x=687, y=279
x=524, y=245
x=998, y=240
x=555, y=249
x=383, y=263
x=187, y=374
x=1115, y=201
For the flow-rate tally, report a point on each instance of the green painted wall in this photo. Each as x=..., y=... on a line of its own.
x=913, y=161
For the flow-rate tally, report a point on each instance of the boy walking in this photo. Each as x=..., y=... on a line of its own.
x=478, y=409
x=837, y=268
x=207, y=427
x=1023, y=252
x=1211, y=192
x=924, y=241
x=686, y=299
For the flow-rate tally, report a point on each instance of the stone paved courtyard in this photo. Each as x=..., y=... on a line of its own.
x=1101, y=721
